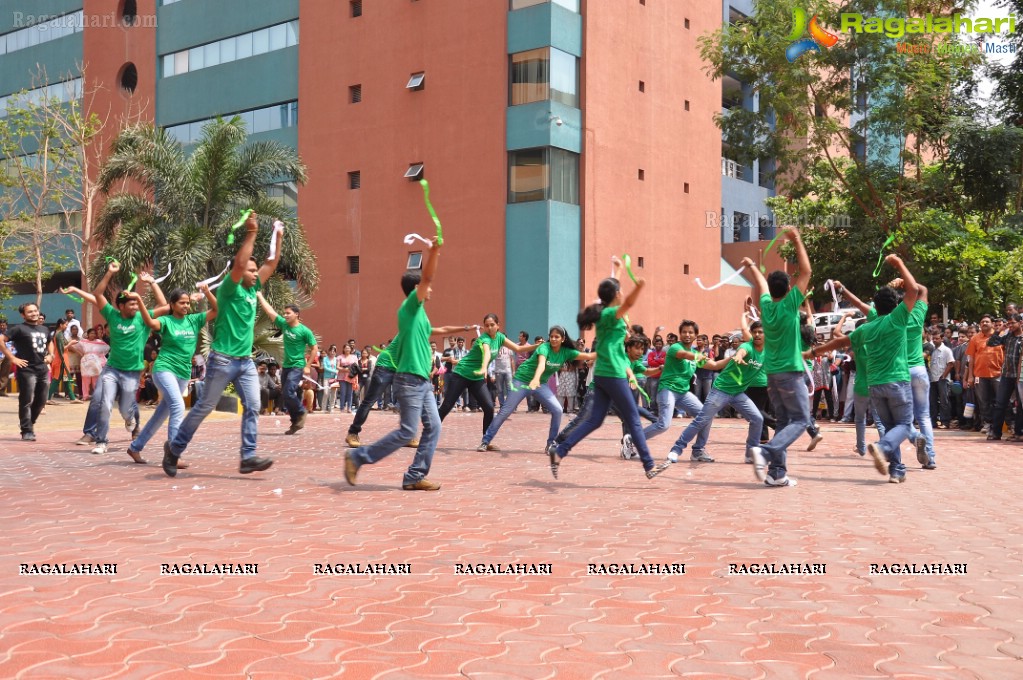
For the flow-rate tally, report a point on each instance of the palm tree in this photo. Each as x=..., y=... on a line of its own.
x=176, y=209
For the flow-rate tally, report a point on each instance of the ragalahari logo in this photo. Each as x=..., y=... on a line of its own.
x=818, y=36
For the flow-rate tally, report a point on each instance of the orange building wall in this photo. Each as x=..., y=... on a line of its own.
x=455, y=126
x=626, y=130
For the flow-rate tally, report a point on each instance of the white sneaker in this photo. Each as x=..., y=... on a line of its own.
x=100, y=448
x=817, y=438
x=672, y=456
x=759, y=462
x=784, y=481
x=626, y=447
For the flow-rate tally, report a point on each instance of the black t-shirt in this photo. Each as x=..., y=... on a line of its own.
x=30, y=344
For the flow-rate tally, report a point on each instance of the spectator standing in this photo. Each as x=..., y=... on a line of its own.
x=983, y=371
x=348, y=373
x=942, y=363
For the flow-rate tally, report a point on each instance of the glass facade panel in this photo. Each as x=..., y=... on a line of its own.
x=168, y=65
x=564, y=78
x=243, y=46
x=196, y=58
x=261, y=120
x=278, y=37
x=564, y=176
x=530, y=76
x=260, y=41
x=292, y=27
x=228, y=50
x=181, y=62
x=527, y=175
x=211, y=54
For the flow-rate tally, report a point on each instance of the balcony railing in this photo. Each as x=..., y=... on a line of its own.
x=730, y=168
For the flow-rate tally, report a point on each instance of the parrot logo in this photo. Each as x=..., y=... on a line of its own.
x=818, y=36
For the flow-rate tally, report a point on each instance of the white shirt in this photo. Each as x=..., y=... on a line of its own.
x=940, y=359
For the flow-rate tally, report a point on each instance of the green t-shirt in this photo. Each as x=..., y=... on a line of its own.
x=611, y=358
x=384, y=358
x=555, y=360
x=885, y=342
x=127, y=339
x=179, y=338
x=638, y=369
x=783, y=342
x=735, y=378
x=236, y=318
x=473, y=361
x=296, y=339
x=410, y=350
x=861, y=386
x=677, y=374
x=914, y=334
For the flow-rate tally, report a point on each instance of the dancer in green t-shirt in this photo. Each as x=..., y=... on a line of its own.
x=179, y=332
x=300, y=350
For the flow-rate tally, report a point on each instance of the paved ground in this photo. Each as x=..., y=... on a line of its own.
x=62, y=505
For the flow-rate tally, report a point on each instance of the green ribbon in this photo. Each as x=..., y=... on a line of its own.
x=880, y=255
x=110, y=259
x=433, y=213
x=378, y=349
x=134, y=280
x=240, y=222
x=75, y=298
x=628, y=267
x=641, y=391
x=763, y=269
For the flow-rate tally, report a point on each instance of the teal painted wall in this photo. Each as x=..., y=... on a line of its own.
x=542, y=266
x=529, y=126
x=545, y=25
x=58, y=57
x=12, y=10
x=236, y=86
x=191, y=23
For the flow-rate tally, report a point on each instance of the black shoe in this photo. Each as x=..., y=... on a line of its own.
x=28, y=436
x=552, y=451
x=135, y=431
x=170, y=461
x=254, y=464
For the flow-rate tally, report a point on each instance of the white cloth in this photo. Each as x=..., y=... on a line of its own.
x=940, y=359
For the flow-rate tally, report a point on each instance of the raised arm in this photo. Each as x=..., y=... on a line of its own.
x=909, y=283
x=758, y=278
x=747, y=334
x=837, y=331
x=155, y=287
x=630, y=299
x=835, y=343
x=802, y=280
x=241, y=257
x=267, y=309
x=848, y=295
x=520, y=349
x=99, y=292
x=85, y=295
x=267, y=269
x=446, y=330
x=429, y=271
x=211, y=300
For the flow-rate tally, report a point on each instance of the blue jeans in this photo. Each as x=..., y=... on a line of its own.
x=415, y=403
x=113, y=383
x=171, y=403
x=608, y=391
x=503, y=387
x=378, y=383
x=666, y=410
x=864, y=405
x=290, y=379
x=791, y=402
x=344, y=396
x=221, y=370
x=920, y=382
x=520, y=391
x=894, y=405
x=717, y=400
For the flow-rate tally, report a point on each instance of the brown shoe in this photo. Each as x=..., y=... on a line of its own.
x=86, y=440
x=351, y=468
x=414, y=444
x=422, y=485
x=352, y=441
x=136, y=456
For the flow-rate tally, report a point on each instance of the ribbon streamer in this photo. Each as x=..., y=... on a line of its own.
x=477, y=330
x=170, y=268
x=628, y=266
x=763, y=269
x=378, y=350
x=412, y=238
x=641, y=391
x=433, y=213
x=73, y=297
x=214, y=278
x=754, y=313
x=132, y=282
x=880, y=256
x=240, y=222
x=278, y=229
x=722, y=282
x=830, y=285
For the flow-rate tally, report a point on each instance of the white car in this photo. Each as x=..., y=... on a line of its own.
x=825, y=321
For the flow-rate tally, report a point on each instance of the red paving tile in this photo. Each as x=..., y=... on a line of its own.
x=63, y=505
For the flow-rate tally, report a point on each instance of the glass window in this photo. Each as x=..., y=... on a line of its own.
x=249, y=120
x=181, y=62
x=564, y=176
x=564, y=78
x=294, y=114
x=521, y=4
x=292, y=29
x=211, y=54
x=527, y=175
x=33, y=35
x=261, y=119
x=194, y=132
x=243, y=44
x=571, y=5
x=260, y=41
x=529, y=76
x=278, y=37
x=168, y=65
x=227, y=50
x=196, y=59
x=22, y=40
